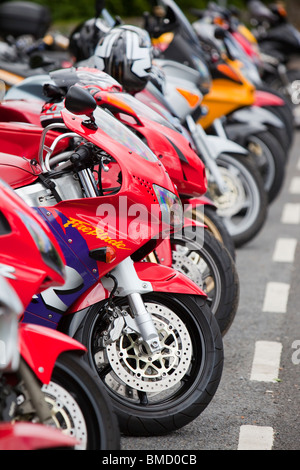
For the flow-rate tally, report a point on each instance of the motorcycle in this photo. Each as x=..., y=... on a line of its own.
x=46, y=389
x=20, y=435
x=230, y=100
x=241, y=50
x=148, y=329
x=279, y=43
x=234, y=183
x=16, y=107
x=208, y=264
x=268, y=145
x=27, y=47
x=243, y=220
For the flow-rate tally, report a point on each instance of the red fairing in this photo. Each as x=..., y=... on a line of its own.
x=20, y=111
x=23, y=139
x=182, y=163
x=41, y=346
x=184, y=166
x=247, y=46
x=28, y=273
x=16, y=171
x=32, y=436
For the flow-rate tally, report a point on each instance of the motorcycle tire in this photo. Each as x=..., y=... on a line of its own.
x=270, y=160
x=285, y=114
x=155, y=395
x=284, y=136
x=80, y=404
x=209, y=264
x=291, y=93
x=244, y=207
x=214, y=223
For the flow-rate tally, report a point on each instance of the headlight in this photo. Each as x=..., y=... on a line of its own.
x=48, y=251
x=171, y=207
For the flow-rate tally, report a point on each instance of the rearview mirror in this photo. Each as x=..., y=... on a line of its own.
x=79, y=101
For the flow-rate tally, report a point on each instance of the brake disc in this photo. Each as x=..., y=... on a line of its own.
x=134, y=367
x=233, y=200
x=66, y=413
x=188, y=265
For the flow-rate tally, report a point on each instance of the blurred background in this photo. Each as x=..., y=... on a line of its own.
x=66, y=12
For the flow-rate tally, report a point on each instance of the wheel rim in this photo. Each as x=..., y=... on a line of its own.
x=201, y=268
x=152, y=380
x=66, y=413
x=264, y=160
x=241, y=205
x=142, y=371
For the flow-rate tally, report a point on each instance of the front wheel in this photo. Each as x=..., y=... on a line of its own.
x=215, y=225
x=209, y=264
x=244, y=204
x=270, y=160
x=154, y=394
x=290, y=90
x=80, y=405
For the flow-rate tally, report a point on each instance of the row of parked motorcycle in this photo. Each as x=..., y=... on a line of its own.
x=133, y=163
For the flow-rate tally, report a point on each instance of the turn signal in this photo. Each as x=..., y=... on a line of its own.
x=191, y=98
x=106, y=254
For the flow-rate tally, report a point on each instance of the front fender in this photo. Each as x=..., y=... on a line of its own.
x=192, y=203
x=265, y=98
x=40, y=347
x=257, y=115
x=240, y=131
x=33, y=436
x=217, y=145
x=162, y=279
x=167, y=279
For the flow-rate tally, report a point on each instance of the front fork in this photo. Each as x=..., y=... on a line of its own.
x=27, y=401
x=126, y=283
x=199, y=138
x=35, y=395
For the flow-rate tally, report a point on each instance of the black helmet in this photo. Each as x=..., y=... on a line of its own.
x=125, y=53
x=85, y=37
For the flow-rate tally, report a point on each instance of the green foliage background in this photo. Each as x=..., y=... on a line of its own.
x=70, y=10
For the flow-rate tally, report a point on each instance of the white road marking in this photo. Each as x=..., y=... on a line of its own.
x=291, y=214
x=295, y=185
x=284, y=251
x=256, y=438
x=266, y=361
x=276, y=297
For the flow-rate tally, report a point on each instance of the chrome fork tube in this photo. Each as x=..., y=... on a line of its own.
x=199, y=137
x=144, y=322
x=131, y=286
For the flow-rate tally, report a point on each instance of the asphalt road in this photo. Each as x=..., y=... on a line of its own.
x=253, y=411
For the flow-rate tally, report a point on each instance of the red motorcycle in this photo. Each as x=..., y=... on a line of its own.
x=148, y=329
x=48, y=395
x=23, y=103
x=207, y=262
